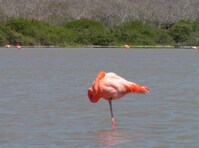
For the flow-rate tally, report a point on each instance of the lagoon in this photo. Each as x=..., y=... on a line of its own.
x=43, y=98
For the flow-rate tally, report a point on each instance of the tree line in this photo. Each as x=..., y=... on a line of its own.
x=108, y=12
x=99, y=22
x=32, y=32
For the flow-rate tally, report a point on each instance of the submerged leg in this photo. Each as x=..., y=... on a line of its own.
x=113, y=120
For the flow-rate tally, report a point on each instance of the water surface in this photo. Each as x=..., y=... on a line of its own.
x=43, y=98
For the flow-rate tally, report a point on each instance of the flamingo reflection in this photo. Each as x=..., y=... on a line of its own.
x=113, y=137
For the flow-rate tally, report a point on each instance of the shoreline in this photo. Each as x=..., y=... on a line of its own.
x=93, y=46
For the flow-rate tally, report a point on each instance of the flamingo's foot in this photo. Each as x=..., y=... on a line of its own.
x=113, y=123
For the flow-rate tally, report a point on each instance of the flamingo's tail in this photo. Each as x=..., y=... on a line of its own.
x=135, y=88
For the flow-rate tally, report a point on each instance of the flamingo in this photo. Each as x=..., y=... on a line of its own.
x=126, y=46
x=7, y=46
x=110, y=86
x=18, y=46
x=194, y=47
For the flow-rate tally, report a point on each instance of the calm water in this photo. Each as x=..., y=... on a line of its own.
x=43, y=99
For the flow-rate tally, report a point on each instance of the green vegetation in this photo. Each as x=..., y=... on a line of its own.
x=30, y=32
x=134, y=33
x=181, y=31
x=89, y=32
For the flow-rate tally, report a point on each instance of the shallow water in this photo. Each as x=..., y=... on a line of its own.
x=43, y=98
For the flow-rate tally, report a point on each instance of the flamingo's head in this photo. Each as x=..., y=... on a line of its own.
x=92, y=97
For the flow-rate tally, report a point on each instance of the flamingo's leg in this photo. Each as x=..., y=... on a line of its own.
x=113, y=120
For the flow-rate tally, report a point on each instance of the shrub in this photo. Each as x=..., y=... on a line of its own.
x=18, y=24
x=181, y=31
x=193, y=39
x=31, y=31
x=195, y=25
x=3, y=40
x=163, y=38
x=59, y=35
x=102, y=39
x=89, y=32
x=135, y=32
x=17, y=38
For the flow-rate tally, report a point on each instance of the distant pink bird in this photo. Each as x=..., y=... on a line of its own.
x=110, y=87
x=18, y=46
x=194, y=47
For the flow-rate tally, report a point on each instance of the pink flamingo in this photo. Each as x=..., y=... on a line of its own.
x=18, y=46
x=126, y=46
x=194, y=47
x=7, y=46
x=110, y=87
